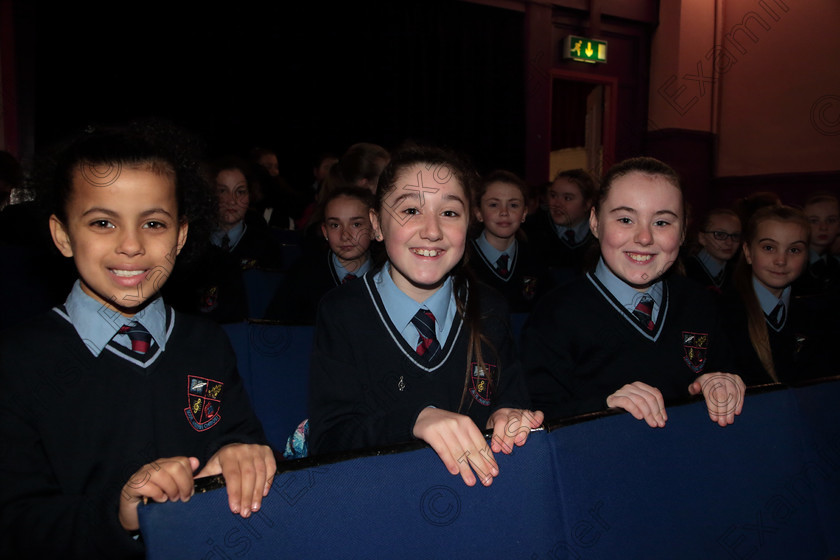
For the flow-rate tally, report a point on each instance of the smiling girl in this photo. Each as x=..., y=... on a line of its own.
x=436, y=361
x=627, y=335
x=778, y=337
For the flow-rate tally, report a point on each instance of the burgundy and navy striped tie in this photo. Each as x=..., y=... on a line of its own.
x=502, y=265
x=140, y=338
x=644, y=312
x=427, y=345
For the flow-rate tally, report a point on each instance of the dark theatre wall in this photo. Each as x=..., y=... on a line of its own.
x=303, y=78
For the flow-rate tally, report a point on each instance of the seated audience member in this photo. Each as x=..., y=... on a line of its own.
x=362, y=164
x=719, y=239
x=212, y=284
x=347, y=230
x=630, y=335
x=271, y=196
x=822, y=274
x=561, y=235
x=320, y=171
x=776, y=336
x=132, y=400
x=499, y=259
x=435, y=360
x=240, y=232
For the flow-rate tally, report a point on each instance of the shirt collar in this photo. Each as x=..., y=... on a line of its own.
x=767, y=300
x=97, y=324
x=580, y=230
x=401, y=308
x=624, y=292
x=234, y=235
x=813, y=256
x=714, y=266
x=491, y=252
x=342, y=272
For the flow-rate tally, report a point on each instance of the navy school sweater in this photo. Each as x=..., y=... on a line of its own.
x=76, y=427
x=367, y=385
x=580, y=345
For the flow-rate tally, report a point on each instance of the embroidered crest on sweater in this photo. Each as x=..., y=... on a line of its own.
x=204, y=397
x=480, y=389
x=695, y=348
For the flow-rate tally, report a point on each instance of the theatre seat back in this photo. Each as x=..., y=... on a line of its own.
x=273, y=361
x=766, y=487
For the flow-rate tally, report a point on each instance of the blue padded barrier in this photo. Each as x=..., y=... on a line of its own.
x=605, y=488
x=273, y=361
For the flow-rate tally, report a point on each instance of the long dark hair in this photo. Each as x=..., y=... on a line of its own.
x=446, y=165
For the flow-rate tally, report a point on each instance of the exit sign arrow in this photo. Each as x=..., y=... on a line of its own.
x=584, y=50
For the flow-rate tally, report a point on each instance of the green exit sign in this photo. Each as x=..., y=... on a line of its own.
x=584, y=50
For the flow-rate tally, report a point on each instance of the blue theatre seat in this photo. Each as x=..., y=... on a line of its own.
x=260, y=287
x=273, y=361
x=610, y=487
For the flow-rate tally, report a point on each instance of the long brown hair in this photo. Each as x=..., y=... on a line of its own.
x=448, y=164
x=756, y=322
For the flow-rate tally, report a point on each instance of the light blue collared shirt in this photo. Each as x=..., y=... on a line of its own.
x=234, y=235
x=625, y=293
x=813, y=256
x=401, y=308
x=491, y=252
x=710, y=263
x=97, y=324
x=768, y=301
x=341, y=272
x=581, y=230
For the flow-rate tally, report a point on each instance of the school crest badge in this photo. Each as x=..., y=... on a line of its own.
x=695, y=348
x=204, y=399
x=480, y=389
x=529, y=287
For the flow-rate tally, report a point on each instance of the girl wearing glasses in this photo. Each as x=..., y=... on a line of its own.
x=719, y=239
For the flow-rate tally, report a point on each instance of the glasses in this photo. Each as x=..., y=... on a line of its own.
x=722, y=235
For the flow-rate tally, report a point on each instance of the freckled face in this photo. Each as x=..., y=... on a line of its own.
x=825, y=224
x=424, y=222
x=347, y=228
x=566, y=203
x=778, y=254
x=123, y=237
x=640, y=228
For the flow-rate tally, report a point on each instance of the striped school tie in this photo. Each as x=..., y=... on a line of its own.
x=644, y=312
x=140, y=338
x=502, y=265
x=427, y=345
x=349, y=276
